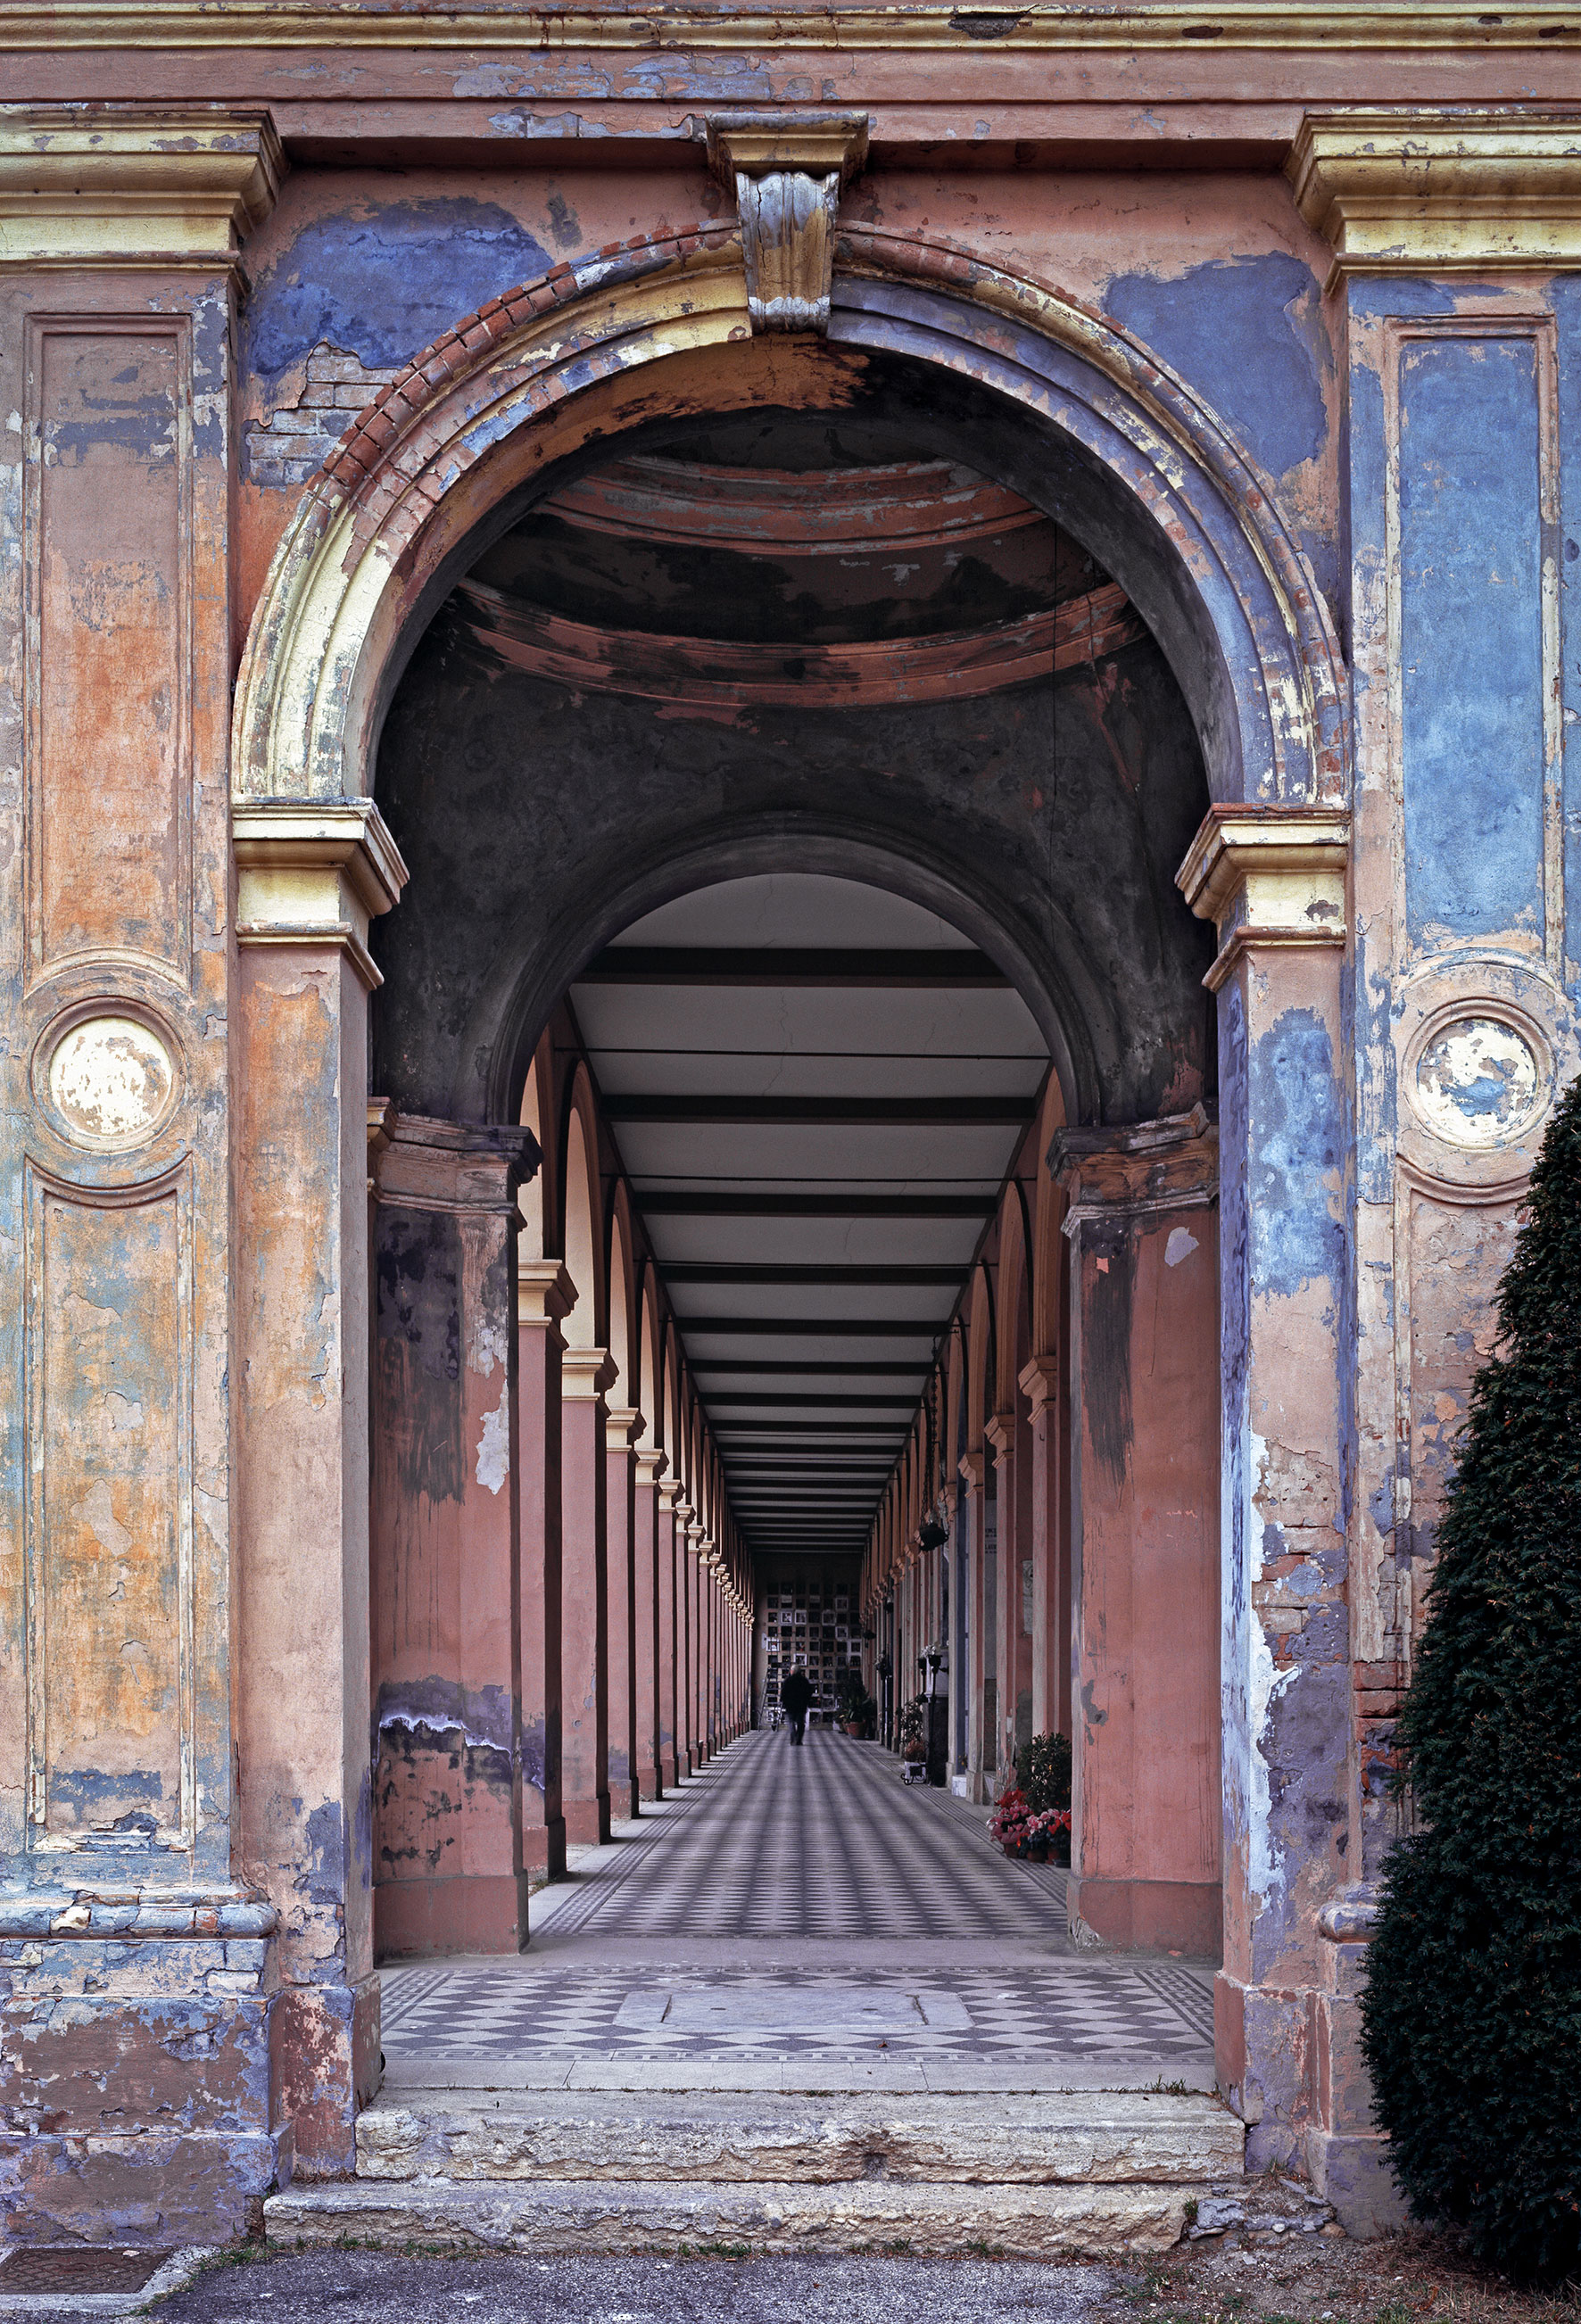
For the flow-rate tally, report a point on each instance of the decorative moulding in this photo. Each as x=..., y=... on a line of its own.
x=786, y=171
x=724, y=680
x=1443, y=192
x=455, y=1167
x=133, y=186
x=1268, y=876
x=504, y=27
x=544, y=1291
x=1138, y=1168
x=312, y=875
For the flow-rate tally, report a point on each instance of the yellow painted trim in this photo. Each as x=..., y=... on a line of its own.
x=1267, y=879
x=93, y=185
x=1441, y=191
x=506, y=28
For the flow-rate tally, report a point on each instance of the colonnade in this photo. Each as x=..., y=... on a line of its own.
x=560, y=1605
x=1046, y=1555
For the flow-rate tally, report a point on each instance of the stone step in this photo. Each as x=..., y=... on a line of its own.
x=650, y=2216
x=1069, y=2138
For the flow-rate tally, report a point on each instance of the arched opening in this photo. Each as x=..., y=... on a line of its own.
x=795, y=804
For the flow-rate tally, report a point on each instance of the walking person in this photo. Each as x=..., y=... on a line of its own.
x=796, y=1701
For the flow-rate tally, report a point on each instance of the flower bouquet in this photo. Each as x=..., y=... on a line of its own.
x=1048, y=1833
x=1035, y=1834
x=1011, y=1821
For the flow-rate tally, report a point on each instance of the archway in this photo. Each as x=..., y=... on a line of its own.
x=1085, y=425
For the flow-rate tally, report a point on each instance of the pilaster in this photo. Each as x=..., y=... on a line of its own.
x=545, y=1295
x=586, y=1373
x=1142, y=1336
x=621, y=1426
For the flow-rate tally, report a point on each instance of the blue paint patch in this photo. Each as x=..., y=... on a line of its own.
x=326, y=1881
x=1248, y=335
x=384, y=286
x=1296, y=1238
x=1471, y=635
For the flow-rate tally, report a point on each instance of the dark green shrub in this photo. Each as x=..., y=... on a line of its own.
x=1472, y=2016
x=1042, y=1771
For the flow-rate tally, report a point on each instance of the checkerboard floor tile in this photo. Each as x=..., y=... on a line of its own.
x=819, y=1842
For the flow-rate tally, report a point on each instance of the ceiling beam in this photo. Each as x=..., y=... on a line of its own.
x=760, y=1368
x=870, y=1112
x=891, y=1277
x=781, y=1402
x=809, y=1327
x=693, y=1205
x=766, y=1428
x=882, y=966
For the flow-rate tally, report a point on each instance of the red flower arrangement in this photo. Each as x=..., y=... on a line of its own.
x=1024, y=1831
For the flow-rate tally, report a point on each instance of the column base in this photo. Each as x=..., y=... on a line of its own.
x=586, y=1821
x=1175, y=1916
x=670, y=1771
x=483, y=1913
x=325, y=2065
x=650, y=1782
x=543, y=1849
x=135, y=2086
x=1352, y=2168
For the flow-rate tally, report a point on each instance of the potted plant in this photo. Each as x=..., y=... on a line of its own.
x=1042, y=1774
x=853, y=1703
x=1011, y=1822
x=914, y=1740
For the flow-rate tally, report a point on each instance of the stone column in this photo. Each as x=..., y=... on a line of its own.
x=1146, y=1828
x=1040, y=1384
x=445, y=1570
x=585, y=1374
x=979, y=1668
x=647, y=1526
x=672, y=1755
x=1274, y=883
x=621, y=1506
x=545, y=1295
x=999, y=1430
x=126, y=1319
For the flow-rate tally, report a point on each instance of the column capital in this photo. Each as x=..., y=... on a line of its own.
x=786, y=171
x=1441, y=190
x=651, y=1467
x=670, y=1493
x=1136, y=1167
x=427, y=1164
x=999, y=1428
x=112, y=185
x=974, y=1468
x=586, y=1373
x=621, y=1423
x=314, y=875
x=544, y=1291
x=1268, y=876
x=1039, y=1381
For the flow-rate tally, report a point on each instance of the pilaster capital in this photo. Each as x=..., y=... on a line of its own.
x=544, y=1291
x=974, y=1468
x=999, y=1428
x=314, y=875
x=621, y=1423
x=651, y=1467
x=112, y=185
x=1442, y=190
x=1268, y=877
x=669, y=1498
x=1039, y=1381
x=586, y=1373
x=427, y=1164
x=786, y=171
x=1137, y=1168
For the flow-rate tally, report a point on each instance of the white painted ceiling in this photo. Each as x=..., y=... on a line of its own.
x=809, y=1421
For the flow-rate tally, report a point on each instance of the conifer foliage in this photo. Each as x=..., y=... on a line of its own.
x=1472, y=2018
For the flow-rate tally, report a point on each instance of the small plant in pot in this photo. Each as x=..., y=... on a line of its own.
x=1042, y=1774
x=858, y=1708
x=914, y=1738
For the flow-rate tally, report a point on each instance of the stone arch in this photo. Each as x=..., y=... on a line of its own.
x=456, y=447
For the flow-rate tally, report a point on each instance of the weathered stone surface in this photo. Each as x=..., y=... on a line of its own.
x=1062, y=2139
x=643, y=2216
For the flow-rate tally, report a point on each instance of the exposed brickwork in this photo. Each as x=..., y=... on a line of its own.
x=297, y=438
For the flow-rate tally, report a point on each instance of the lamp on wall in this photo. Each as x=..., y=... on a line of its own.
x=932, y=1535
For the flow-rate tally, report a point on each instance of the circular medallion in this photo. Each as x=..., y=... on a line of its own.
x=1478, y=1082
x=111, y=1080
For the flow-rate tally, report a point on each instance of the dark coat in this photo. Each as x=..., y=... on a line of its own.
x=795, y=1695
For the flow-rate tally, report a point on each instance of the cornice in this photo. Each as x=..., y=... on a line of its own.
x=1443, y=192
x=505, y=27
x=132, y=185
x=1267, y=878
x=314, y=875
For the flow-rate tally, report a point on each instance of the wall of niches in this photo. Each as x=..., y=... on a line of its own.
x=808, y=1616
